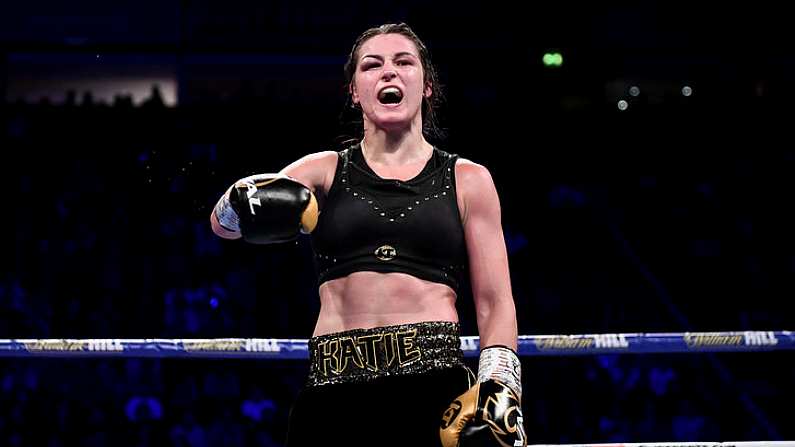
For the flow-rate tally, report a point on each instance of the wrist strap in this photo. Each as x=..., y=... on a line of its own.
x=226, y=215
x=502, y=364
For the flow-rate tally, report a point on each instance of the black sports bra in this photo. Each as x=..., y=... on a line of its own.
x=373, y=224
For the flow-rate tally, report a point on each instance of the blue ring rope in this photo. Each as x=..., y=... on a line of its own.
x=529, y=345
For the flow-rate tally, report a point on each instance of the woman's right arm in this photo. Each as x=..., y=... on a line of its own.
x=315, y=171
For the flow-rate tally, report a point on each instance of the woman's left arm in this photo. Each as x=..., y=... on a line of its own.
x=493, y=404
x=488, y=257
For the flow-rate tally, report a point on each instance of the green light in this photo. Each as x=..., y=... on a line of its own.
x=553, y=59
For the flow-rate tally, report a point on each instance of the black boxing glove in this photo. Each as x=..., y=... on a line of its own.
x=489, y=413
x=268, y=209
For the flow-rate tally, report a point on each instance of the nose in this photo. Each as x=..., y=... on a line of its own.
x=388, y=74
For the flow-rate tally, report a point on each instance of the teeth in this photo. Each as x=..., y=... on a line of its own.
x=390, y=91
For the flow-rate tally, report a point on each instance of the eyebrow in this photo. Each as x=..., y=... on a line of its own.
x=381, y=58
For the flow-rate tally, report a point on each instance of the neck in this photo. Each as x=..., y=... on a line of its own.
x=392, y=149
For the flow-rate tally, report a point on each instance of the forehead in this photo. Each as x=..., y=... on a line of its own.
x=387, y=44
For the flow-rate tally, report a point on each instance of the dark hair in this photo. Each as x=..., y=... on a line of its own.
x=430, y=126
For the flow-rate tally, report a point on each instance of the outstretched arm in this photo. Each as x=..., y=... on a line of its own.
x=275, y=194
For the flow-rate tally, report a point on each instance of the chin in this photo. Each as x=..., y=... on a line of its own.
x=393, y=125
x=393, y=119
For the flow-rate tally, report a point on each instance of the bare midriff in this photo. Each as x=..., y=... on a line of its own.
x=364, y=300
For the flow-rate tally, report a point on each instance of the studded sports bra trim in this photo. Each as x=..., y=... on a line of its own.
x=369, y=223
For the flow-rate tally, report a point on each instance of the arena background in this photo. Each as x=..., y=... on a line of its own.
x=668, y=212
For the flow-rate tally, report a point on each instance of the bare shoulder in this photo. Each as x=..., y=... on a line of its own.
x=315, y=170
x=315, y=160
x=475, y=188
x=472, y=176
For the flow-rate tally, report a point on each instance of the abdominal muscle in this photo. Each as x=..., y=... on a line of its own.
x=364, y=300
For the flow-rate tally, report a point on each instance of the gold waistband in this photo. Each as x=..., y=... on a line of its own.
x=361, y=355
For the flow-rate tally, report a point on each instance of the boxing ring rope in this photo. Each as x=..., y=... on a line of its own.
x=529, y=345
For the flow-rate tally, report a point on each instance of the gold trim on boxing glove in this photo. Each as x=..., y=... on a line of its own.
x=462, y=410
x=488, y=409
x=310, y=215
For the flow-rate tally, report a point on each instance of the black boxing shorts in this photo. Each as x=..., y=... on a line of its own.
x=386, y=387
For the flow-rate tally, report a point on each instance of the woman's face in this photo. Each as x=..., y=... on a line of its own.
x=389, y=81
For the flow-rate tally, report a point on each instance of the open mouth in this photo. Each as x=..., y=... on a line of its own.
x=390, y=95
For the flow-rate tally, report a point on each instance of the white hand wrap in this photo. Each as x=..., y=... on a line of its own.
x=501, y=364
x=227, y=216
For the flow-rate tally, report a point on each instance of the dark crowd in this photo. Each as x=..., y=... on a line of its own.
x=671, y=213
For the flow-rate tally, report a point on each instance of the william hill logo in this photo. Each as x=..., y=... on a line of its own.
x=385, y=253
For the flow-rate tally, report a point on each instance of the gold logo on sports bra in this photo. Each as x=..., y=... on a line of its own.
x=385, y=253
